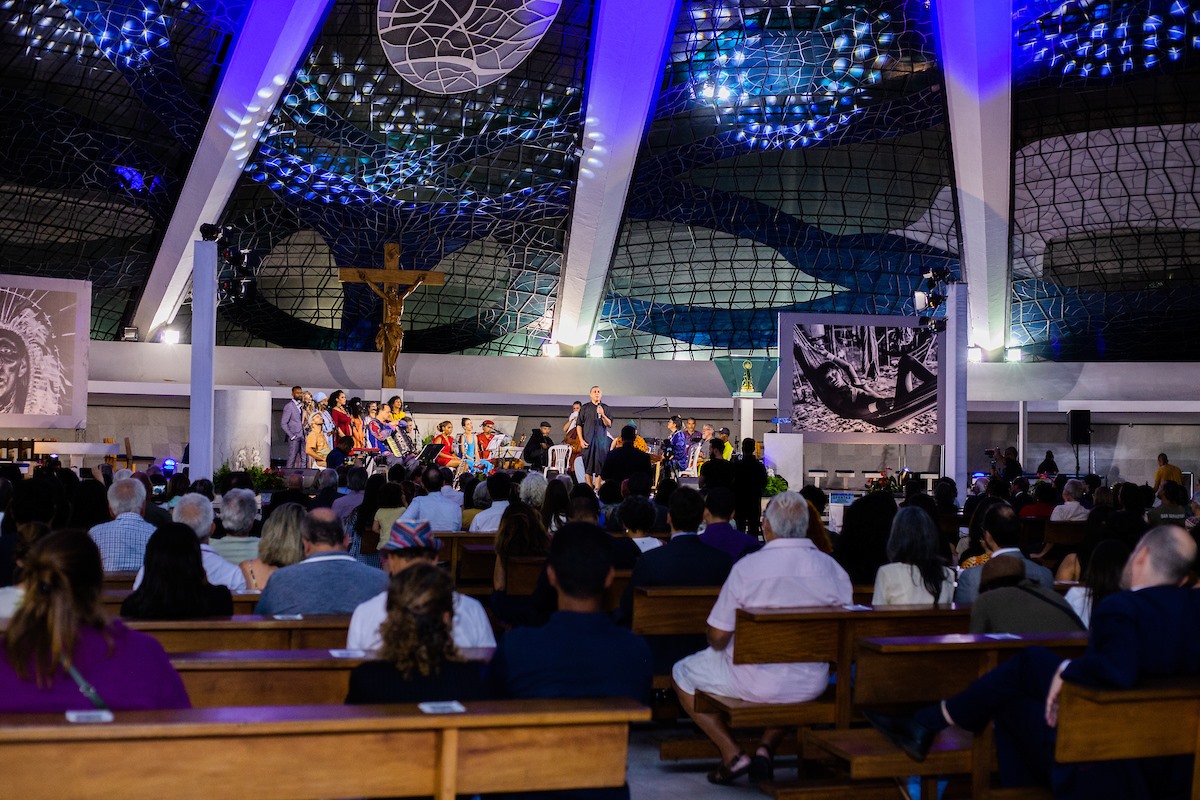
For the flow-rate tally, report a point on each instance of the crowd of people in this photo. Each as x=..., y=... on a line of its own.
x=368, y=546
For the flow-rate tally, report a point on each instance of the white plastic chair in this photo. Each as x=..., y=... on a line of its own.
x=693, y=465
x=558, y=459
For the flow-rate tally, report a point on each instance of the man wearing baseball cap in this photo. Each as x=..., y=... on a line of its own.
x=723, y=435
x=407, y=544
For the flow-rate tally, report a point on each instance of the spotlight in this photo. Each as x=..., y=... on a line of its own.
x=170, y=336
x=168, y=466
x=550, y=349
x=927, y=300
x=1013, y=354
x=935, y=324
x=974, y=355
x=129, y=334
x=939, y=275
x=210, y=232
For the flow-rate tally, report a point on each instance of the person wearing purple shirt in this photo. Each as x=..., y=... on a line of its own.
x=718, y=533
x=676, y=452
x=62, y=577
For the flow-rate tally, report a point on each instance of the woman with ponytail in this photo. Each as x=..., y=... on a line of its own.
x=418, y=660
x=61, y=653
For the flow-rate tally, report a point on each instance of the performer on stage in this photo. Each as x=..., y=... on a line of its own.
x=468, y=449
x=446, y=457
x=537, y=450
x=337, y=412
x=593, y=423
x=357, y=427
x=676, y=449
x=489, y=441
x=295, y=427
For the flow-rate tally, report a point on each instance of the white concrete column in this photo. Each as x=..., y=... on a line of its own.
x=975, y=48
x=745, y=409
x=954, y=373
x=204, y=340
x=1022, y=432
x=242, y=433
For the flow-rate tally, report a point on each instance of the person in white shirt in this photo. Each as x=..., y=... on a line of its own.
x=407, y=545
x=196, y=511
x=238, y=509
x=442, y=513
x=1071, y=510
x=499, y=486
x=918, y=574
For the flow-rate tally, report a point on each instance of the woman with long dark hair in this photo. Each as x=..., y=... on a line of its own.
x=1101, y=577
x=418, y=660
x=175, y=585
x=917, y=574
x=59, y=640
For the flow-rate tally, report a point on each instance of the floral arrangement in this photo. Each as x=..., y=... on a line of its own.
x=888, y=481
x=264, y=480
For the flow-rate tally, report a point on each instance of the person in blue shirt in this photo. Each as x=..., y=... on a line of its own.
x=676, y=450
x=580, y=652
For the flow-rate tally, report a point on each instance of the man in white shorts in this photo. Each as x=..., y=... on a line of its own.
x=408, y=543
x=788, y=571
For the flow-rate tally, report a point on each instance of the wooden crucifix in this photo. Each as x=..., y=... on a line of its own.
x=393, y=285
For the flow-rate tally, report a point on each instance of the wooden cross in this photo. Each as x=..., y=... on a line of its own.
x=393, y=285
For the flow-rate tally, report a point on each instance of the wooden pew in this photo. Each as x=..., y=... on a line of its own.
x=120, y=580
x=895, y=671
x=671, y=610
x=274, y=677
x=290, y=752
x=243, y=602
x=247, y=633
x=452, y=545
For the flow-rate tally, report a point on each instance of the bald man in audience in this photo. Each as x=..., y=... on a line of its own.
x=1151, y=629
x=788, y=571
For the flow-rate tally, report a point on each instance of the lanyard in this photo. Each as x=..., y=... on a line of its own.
x=85, y=688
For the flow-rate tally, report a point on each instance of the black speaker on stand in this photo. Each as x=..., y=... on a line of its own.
x=1079, y=431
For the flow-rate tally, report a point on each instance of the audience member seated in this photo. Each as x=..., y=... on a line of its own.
x=817, y=534
x=441, y=512
x=327, y=491
x=1008, y=602
x=1071, y=509
x=238, y=508
x=499, y=486
x=579, y=652
x=787, y=572
x=609, y=500
x=683, y=561
x=280, y=546
x=328, y=580
x=521, y=534
x=196, y=512
x=154, y=514
x=294, y=492
x=89, y=506
x=718, y=533
x=637, y=517
x=122, y=541
x=716, y=471
x=861, y=548
x=419, y=659
x=1101, y=578
x=1001, y=535
x=1043, y=502
x=60, y=640
x=978, y=491
x=408, y=546
x=356, y=485
x=1018, y=496
x=945, y=494
x=973, y=552
x=1136, y=635
x=917, y=574
x=662, y=502
x=532, y=491
x=391, y=506
x=1128, y=522
x=1172, y=508
x=626, y=460
x=585, y=507
x=175, y=586
x=475, y=499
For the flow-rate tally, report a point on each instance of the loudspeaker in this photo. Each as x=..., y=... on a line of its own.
x=1079, y=427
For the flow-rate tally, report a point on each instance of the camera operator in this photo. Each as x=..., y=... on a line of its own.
x=1006, y=465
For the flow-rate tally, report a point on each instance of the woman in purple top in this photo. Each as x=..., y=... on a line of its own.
x=60, y=641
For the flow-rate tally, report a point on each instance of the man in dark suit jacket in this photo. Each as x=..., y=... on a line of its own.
x=626, y=460
x=1150, y=630
x=683, y=561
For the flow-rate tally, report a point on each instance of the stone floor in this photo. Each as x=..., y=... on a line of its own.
x=651, y=779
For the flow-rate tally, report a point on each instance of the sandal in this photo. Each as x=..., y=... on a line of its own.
x=762, y=768
x=726, y=774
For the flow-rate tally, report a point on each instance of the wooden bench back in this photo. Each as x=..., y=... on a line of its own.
x=247, y=633
x=1158, y=719
x=665, y=610
x=243, y=602
x=522, y=573
x=120, y=580
x=281, y=753
x=1065, y=533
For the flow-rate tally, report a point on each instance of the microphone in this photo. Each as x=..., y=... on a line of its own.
x=255, y=380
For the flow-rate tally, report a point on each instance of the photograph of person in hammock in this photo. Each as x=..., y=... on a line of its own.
x=858, y=379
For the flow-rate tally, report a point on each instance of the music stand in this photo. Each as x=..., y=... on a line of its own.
x=429, y=454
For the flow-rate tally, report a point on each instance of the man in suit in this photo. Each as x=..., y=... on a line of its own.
x=1001, y=534
x=1151, y=629
x=683, y=561
x=626, y=460
x=293, y=428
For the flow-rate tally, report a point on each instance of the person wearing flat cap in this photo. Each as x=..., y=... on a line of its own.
x=407, y=544
x=537, y=450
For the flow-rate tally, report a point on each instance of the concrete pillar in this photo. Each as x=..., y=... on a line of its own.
x=954, y=370
x=204, y=338
x=745, y=408
x=242, y=434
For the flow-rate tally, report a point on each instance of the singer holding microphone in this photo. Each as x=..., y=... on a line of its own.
x=593, y=424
